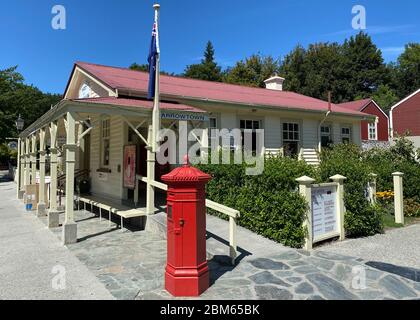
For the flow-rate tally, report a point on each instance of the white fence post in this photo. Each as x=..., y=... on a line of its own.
x=305, y=187
x=398, y=197
x=340, y=203
x=372, y=188
x=233, y=250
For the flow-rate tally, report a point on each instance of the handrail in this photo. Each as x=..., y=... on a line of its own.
x=231, y=213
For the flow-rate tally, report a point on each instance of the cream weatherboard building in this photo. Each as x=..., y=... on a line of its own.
x=105, y=108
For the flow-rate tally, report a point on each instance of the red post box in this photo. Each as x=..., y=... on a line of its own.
x=187, y=273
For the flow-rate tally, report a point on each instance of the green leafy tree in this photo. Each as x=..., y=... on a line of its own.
x=408, y=70
x=385, y=97
x=253, y=71
x=207, y=69
x=353, y=69
x=292, y=68
x=18, y=98
x=363, y=66
x=139, y=67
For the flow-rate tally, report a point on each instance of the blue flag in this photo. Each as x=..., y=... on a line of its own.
x=152, y=59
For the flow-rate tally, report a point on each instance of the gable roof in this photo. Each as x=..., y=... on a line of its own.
x=405, y=99
x=357, y=105
x=123, y=79
x=360, y=105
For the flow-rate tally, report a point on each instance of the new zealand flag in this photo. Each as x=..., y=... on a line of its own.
x=152, y=59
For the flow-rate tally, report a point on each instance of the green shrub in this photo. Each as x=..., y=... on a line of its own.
x=361, y=219
x=269, y=203
x=400, y=157
x=411, y=208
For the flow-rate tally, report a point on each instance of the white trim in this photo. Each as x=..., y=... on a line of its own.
x=78, y=70
x=405, y=99
x=391, y=126
x=376, y=131
x=377, y=106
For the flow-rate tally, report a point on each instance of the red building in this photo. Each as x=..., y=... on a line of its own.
x=371, y=131
x=405, y=117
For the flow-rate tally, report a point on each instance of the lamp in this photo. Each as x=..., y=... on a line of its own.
x=20, y=123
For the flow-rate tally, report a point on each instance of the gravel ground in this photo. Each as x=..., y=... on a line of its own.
x=398, y=246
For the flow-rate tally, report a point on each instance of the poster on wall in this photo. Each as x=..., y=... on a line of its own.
x=129, y=166
x=324, y=211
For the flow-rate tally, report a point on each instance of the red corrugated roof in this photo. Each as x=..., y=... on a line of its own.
x=123, y=78
x=139, y=103
x=356, y=105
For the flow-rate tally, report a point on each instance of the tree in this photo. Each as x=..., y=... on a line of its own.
x=353, y=69
x=18, y=98
x=364, y=66
x=408, y=70
x=323, y=68
x=139, y=67
x=385, y=97
x=207, y=69
x=292, y=69
x=253, y=71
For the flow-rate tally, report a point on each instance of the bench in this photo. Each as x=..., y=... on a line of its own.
x=124, y=212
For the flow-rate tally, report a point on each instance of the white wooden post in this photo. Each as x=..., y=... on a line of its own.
x=150, y=190
x=233, y=247
x=33, y=159
x=27, y=163
x=41, y=208
x=22, y=169
x=53, y=213
x=372, y=188
x=398, y=197
x=305, y=189
x=136, y=192
x=340, y=204
x=70, y=226
x=18, y=173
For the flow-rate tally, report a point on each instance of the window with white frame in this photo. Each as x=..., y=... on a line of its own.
x=291, y=138
x=326, y=136
x=250, y=125
x=212, y=132
x=373, y=131
x=105, y=141
x=345, y=134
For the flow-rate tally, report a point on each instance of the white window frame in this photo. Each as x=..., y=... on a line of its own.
x=346, y=135
x=290, y=131
x=253, y=129
x=105, y=136
x=212, y=133
x=373, y=136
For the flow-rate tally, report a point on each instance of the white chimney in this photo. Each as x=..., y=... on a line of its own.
x=274, y=83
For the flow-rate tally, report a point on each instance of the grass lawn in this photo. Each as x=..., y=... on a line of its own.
x=389, y=221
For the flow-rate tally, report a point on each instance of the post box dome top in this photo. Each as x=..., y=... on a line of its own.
x=186, y=173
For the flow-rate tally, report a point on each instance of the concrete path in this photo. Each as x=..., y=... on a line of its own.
x=32, y=259
x=400, y=247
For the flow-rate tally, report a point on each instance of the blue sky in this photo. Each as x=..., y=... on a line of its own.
x=118, y=33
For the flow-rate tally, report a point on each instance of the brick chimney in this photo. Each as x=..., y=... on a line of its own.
x=274, y=83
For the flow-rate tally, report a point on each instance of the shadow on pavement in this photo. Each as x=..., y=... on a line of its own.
x=406, y=272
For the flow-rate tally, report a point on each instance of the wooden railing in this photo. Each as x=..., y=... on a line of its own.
x=231, y=213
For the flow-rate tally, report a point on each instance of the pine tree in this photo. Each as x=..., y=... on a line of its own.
x=207, y=69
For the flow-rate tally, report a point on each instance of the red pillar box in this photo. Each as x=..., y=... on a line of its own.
x=187, y=273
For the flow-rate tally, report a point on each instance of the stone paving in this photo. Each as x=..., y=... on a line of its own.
x=131, y=265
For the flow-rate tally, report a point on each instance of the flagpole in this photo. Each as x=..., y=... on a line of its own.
x=156, y=107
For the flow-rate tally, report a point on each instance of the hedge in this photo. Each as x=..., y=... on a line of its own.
x=271, y=206
x=269, y=203
x=361, y=218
